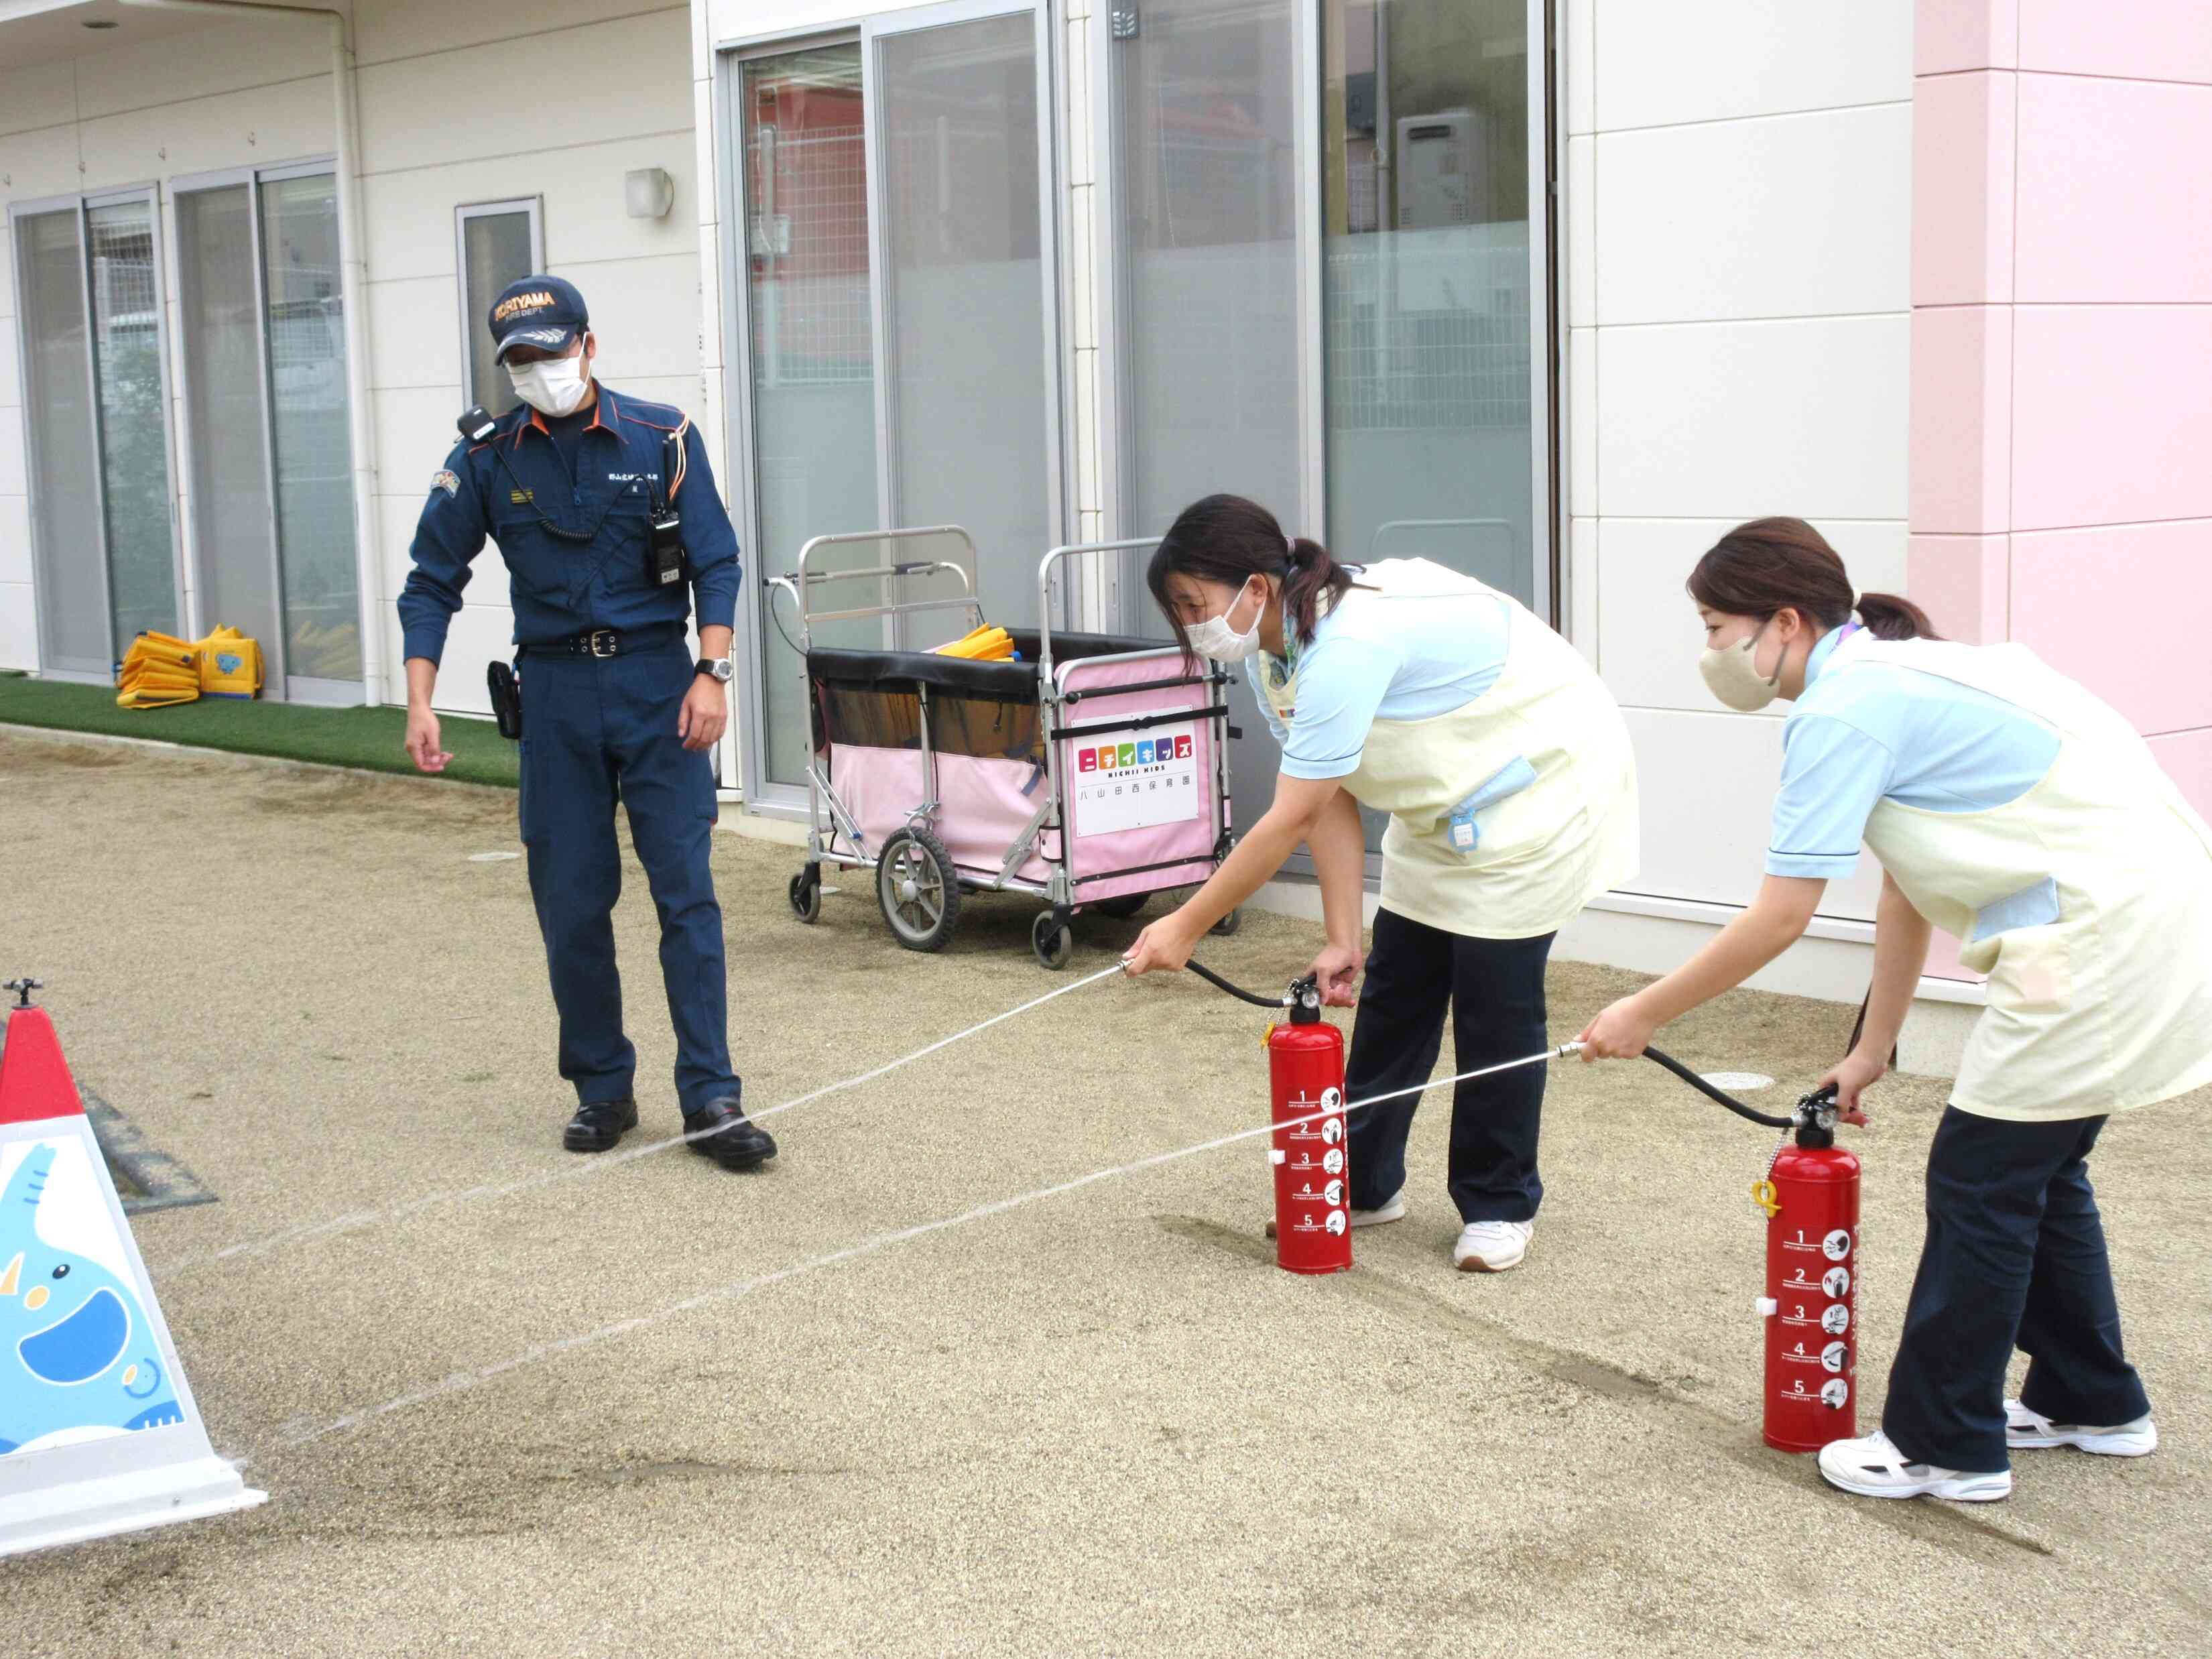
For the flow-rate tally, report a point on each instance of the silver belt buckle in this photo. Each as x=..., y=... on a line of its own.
x=602, y=642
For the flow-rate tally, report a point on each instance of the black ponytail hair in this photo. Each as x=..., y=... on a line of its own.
x=1227, y=538
x=1777, y=564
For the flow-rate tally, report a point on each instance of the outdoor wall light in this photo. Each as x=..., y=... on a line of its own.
x=648, y=193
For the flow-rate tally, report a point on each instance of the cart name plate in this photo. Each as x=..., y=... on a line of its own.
x=1139, y=781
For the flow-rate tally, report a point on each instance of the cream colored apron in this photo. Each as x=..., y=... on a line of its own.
x=1510, y=814
x=2087, y=902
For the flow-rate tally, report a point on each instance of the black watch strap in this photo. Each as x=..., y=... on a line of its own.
x=716, y=668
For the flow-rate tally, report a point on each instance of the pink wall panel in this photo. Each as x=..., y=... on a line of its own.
x=1950, y=35
x=2112, y=415
x=1961, y=464
x=2114, y=190
x=2146, y=39
x=1962, y=189
x=2123, y=609
x=1962, y=583
x=2187, y=758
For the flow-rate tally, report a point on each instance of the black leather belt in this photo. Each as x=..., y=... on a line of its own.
x=605, y=642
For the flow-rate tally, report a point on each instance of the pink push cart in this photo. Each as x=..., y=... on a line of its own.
x=1091, y=773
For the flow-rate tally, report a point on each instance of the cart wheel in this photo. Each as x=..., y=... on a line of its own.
x=920, y=893
x=1123, y=908
x=1229, y=924
x=806, y=894
x=1052, y=940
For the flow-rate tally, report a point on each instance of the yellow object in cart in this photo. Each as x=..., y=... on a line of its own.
x=980, y=645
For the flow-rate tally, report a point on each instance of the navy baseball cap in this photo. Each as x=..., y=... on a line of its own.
x=540, y=311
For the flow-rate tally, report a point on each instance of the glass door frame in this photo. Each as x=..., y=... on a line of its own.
x=312, y=691
x=790, y=800
x=82, y=205
x=1110, y=255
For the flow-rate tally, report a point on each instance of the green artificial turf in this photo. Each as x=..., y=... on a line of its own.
x=369, y=737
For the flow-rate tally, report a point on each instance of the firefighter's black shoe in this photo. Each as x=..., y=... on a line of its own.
x=598, y=1124
x=737, y=1145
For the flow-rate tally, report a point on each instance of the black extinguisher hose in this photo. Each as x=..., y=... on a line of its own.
x=1712, y=1093
x=1719, y=1095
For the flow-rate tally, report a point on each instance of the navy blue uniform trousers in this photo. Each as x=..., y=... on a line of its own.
x=596, y=729
x=1494, y=988
x=2014, y=1257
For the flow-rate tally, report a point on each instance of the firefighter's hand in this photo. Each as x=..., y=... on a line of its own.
x=705, y=715
x=423, y=741
x=1857, y=1073
x=1165, y=946
x=1620, y=1033
x=1336, y=971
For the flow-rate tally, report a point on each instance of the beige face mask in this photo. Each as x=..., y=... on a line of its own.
x=1731, y=673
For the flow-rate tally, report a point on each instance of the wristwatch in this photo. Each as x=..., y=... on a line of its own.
x=719, y=667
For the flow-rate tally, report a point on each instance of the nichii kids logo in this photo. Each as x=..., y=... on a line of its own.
x=1119, y=756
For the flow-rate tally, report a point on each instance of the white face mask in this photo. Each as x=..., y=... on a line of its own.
x=1731, y=673
x=552, y=385
x=1216, y=638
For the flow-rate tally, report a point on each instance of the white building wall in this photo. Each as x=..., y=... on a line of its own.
x=1737, y=212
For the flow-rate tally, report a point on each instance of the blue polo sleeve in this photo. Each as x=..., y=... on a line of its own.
x=449, y=534
x=1833, y=776
x=1342, y=681
x=709, y=538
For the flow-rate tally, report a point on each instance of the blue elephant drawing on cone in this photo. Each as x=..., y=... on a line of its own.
x=76, y=1351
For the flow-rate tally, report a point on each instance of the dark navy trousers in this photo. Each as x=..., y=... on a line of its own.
x=2014, y=1257
x=1494, y=988
x=596, y=730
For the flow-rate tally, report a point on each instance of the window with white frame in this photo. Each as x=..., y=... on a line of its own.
x=495, y=243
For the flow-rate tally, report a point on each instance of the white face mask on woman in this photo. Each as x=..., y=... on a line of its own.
x=551, y=386
x=1731, y=673
x=1216, y=638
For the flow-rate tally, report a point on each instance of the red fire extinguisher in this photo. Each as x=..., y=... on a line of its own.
x=1313, y=1204
x=1811, y=1198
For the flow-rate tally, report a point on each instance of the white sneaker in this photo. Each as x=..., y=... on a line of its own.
x=2025, y=1430
x=1392, y=1208
x=1491, y=1247
x=1872, y=1466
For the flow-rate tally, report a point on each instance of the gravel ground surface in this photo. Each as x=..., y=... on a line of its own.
x=1101, y=1423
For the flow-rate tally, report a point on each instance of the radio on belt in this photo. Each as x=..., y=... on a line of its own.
x=1313, y=1204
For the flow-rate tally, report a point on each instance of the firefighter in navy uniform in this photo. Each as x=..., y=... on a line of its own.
x=570, y=485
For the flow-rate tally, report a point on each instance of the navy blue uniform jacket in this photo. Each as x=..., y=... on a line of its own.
x=564, y=587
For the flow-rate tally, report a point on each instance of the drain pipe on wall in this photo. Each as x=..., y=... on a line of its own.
x=369, y=556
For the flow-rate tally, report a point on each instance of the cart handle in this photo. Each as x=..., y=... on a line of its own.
x=802, y=577
x=1044, y=589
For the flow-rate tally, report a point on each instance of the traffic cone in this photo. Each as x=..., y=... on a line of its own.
x=99, y=1433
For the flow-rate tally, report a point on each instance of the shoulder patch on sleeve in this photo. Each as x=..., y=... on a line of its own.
x=447, y=480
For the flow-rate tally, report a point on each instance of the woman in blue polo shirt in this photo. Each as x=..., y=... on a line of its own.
x=2014, y=809
x=1505, y=764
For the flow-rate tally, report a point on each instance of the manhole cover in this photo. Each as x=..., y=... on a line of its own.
x=492, y=858
x=1741, y=1082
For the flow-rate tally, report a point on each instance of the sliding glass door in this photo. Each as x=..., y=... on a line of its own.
x=1325, y=292
x=131, y=384
x=268, y=476
x=900, y=342
x=96, y=409
x=228, y=495
x=77, y=637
